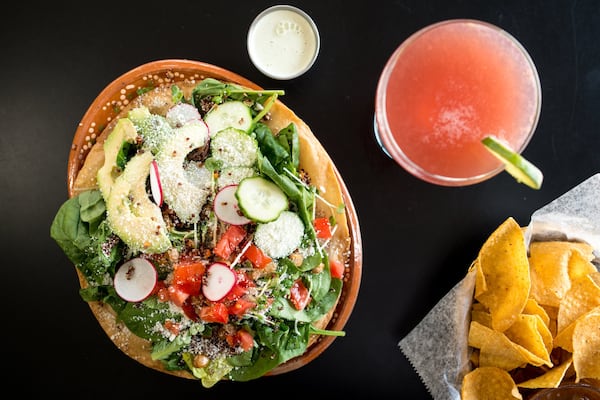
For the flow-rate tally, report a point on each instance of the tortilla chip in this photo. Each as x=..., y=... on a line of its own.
x=553, y=315
x=489, y=383
x=480, y=284
x=474, y=358
x=579, y=266
x=586, y=347
x=497, y=350
x=533, y=308
x=549, y=262
x=525, y=332
x=583, y=296
x=482, y=317
x=564, y=339
x=545, y=333
x=585, y=249
x=503, y=263
x=550, y=379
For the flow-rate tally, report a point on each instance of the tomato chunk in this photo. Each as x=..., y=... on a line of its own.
x=189, y=310
x=336, y=268
x=246, y=339
x=173, y=327
x=241, y=338
x=322, y=227
x=299, y=295
x=236, y=292
x=177, y=296
x=256, y=256
x=160, y=286
x=187, y=277
x=232, y=237
x=241, y=286
x=241, y=306
x=216, y=312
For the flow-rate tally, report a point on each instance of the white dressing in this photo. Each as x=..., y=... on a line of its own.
x=283, y=42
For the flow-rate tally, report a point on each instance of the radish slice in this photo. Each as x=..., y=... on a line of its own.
x=155, y=185
x=135, y=280
x=220, y=279
x=226, y=206
x=182, y=113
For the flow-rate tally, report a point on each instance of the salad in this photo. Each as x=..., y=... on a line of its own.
x=204, y=235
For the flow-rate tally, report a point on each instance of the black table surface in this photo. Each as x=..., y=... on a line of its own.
x=418, y=238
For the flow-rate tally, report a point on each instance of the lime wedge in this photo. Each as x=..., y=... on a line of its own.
x=514, y=163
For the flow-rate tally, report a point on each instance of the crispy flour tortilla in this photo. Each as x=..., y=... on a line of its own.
x=313, y=159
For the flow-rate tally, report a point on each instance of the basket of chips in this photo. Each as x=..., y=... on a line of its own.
x=526, y=317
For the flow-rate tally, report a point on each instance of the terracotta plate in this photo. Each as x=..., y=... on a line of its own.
x=123, y=89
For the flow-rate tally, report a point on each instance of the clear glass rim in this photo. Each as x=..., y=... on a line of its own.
x=382, y=129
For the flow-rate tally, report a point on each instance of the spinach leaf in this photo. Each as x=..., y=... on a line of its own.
x=105, y=251
x=282, y=150
x=319, y=284
x=262, y=362
x=174, y=362
x=241, y=360
x=141, y=318
x=81, y=231
x=70, y=232
x=271, y=148
x=282, y=343
x=288, y=138
x=220, y=92
x=164, y=348
x=282, y=308
x=310, y=262
x=125, y=153
x=94, y=293
x=319, y=308
x=92, y=208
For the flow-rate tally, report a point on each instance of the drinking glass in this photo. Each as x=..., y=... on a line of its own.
x=444, y=89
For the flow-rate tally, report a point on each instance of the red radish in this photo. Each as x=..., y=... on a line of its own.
x=155, y=185
x=226, y=206
x=135, y=280
x=182, y=113
x=220, y=279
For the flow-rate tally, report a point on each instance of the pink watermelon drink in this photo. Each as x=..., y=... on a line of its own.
x=446, y=88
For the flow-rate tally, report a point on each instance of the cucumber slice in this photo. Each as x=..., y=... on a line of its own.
x=234, y=175
x=279, y=238
x=234, y=148
x=514, y=163
x=231, y=114
x=260, y=200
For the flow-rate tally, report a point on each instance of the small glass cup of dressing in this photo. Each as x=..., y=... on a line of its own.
x=283, y=42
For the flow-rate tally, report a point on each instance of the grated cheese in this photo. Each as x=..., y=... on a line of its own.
x=234, y=148
x=234, y=175
x=185, y=190
x=281, y=237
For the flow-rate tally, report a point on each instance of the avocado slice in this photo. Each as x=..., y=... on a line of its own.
x=124, y=131
x=154, y=128
x=186, y=186
x=130, y=212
